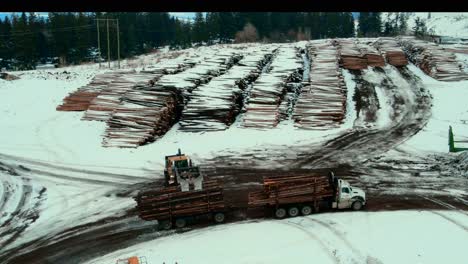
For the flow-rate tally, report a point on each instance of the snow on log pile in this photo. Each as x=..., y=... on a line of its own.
x=80, y=99
x=434, y=60
x=322, y=103
x=108, y=99
x=372, y=55
x=351, y=57
x=392, y=51
x=263, y=106
x=216, y=62
x=460, y=48
x=146, y=112
x=214, y=106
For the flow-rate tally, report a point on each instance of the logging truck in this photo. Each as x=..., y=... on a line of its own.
x=186, y=196
x=294, y=195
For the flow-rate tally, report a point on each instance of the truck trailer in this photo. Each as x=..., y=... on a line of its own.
x=304, y=194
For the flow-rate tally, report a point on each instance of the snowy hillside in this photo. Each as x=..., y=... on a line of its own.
x=444, y=24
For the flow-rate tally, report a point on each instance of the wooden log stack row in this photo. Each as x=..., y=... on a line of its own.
x=214, y=64
x=392, y=51
x=171, y=202
x=297, y=189
x=80, y=99
x=322, y=103
x=350, y=55
x=109, y=98
x=214, y=106
x=372, y=55
x=262, y=108
x=145, y=114
x=434, y=60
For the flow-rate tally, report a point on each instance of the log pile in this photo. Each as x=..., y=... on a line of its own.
x=214, y=106
x=322, y=103
x=109, y=98
x=145, y=114
x=392, y=51
x=171, y=202
x=80, y=99
x=213, y=65
x=372, y=55
x=434, y=60
x=262, y=108
x=294, y=189
x=350, y=55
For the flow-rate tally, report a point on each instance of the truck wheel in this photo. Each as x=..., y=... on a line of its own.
x=293, y=212
x=219, y=217
x=180, y=223
x=357, y=205
x=306, y=210
x=165, y=225
x=280, y=213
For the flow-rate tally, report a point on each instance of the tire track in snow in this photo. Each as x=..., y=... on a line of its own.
x=451, y=220
x=311, y=235
x=339, y=235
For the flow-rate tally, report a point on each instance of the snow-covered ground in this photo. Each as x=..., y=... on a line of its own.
x=33, y=129
x=449, y=109
x=444, y=24
x=349, y=237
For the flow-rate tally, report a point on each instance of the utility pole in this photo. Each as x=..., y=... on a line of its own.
x=98, y=42
x=108, y=45
x=108, y=39
x=118, y=43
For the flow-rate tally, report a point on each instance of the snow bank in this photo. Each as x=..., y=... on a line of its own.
x=348, y=237
x=449, y=109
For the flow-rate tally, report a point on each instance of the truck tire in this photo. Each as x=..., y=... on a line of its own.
x=356, y=206
x=306, y=210
x=219, y=218
x=180, y=222
x=165, y=225
x=293, y=211
x=280, y=213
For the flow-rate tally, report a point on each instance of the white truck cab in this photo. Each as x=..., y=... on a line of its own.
x=348, y=196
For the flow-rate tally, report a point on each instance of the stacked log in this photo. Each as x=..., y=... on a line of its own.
x=145, y=114
x=434, y=60
x=171, y=202
x=372, y=55
x=322, y=102
x=392, y=51
x=80, y=99
x=213, y=65
x=214, y=106
x=296, y=189
x=350, y=55
x=108, y=99
x=262, y=108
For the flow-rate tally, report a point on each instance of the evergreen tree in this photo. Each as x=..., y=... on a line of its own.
x=199, y=28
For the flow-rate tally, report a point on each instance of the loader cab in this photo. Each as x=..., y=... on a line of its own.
x=179, y=169
x=348, y=196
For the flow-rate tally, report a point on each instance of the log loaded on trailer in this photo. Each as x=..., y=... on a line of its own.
x=186, y=196
x=306, y=193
